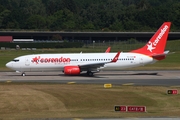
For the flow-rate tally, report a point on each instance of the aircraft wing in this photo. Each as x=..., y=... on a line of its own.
x=94, y=66
x=91, y=67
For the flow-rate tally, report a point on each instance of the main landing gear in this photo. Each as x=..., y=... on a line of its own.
x=89, y=73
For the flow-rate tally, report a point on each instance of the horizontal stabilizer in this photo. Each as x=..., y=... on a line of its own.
x=160, y=56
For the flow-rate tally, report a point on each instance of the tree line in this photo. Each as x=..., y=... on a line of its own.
x=88, y=15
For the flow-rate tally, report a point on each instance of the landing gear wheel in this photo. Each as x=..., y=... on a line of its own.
x=89, y=73
x=23, y=74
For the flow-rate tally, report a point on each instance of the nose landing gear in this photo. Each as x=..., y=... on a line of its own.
x=23, y=74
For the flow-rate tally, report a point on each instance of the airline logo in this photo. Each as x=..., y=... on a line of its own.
x=151, y=46
x=38, y=60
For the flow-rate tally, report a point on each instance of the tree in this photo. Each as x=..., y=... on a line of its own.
x=94, y=15
x=3, y=16
x=33, y=7
x=36, y=22
x=62, y=19
x=70, y=5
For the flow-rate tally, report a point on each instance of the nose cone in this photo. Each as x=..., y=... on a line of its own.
x=9, y=65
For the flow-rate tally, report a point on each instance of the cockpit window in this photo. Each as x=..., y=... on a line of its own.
x=16, y=60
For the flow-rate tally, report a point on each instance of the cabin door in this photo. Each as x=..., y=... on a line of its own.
x=27, y=61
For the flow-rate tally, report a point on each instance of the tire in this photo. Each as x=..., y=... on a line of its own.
x=23, y=74
x=89, y=73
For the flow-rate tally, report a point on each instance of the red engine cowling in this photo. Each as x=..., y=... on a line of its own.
x=72, y=70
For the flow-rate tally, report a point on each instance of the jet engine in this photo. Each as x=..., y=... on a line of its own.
x=72, y=70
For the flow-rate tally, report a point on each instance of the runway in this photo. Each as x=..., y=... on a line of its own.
x=155, y=78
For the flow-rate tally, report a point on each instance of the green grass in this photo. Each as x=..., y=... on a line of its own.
x=23, y=100
x=171, y=62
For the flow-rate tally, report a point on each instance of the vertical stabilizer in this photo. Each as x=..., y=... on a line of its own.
x=157, y=43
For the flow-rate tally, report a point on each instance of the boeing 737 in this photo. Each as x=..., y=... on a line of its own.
x=75, y=64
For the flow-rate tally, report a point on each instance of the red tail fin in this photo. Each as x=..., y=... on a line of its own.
x=157, y=43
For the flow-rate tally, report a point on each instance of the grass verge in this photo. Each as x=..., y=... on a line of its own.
x=25, y=101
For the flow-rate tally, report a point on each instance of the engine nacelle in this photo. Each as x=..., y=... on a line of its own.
x=72, y=70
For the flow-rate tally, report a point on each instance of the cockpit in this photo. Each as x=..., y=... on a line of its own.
x=13, y=63
x=16, y=60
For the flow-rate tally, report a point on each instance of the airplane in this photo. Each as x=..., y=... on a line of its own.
x=75, y=64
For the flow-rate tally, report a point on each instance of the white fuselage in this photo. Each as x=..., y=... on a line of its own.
x=57, y=62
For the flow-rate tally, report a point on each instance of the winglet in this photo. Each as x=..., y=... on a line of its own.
x=108, y=50
x=116, y=57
